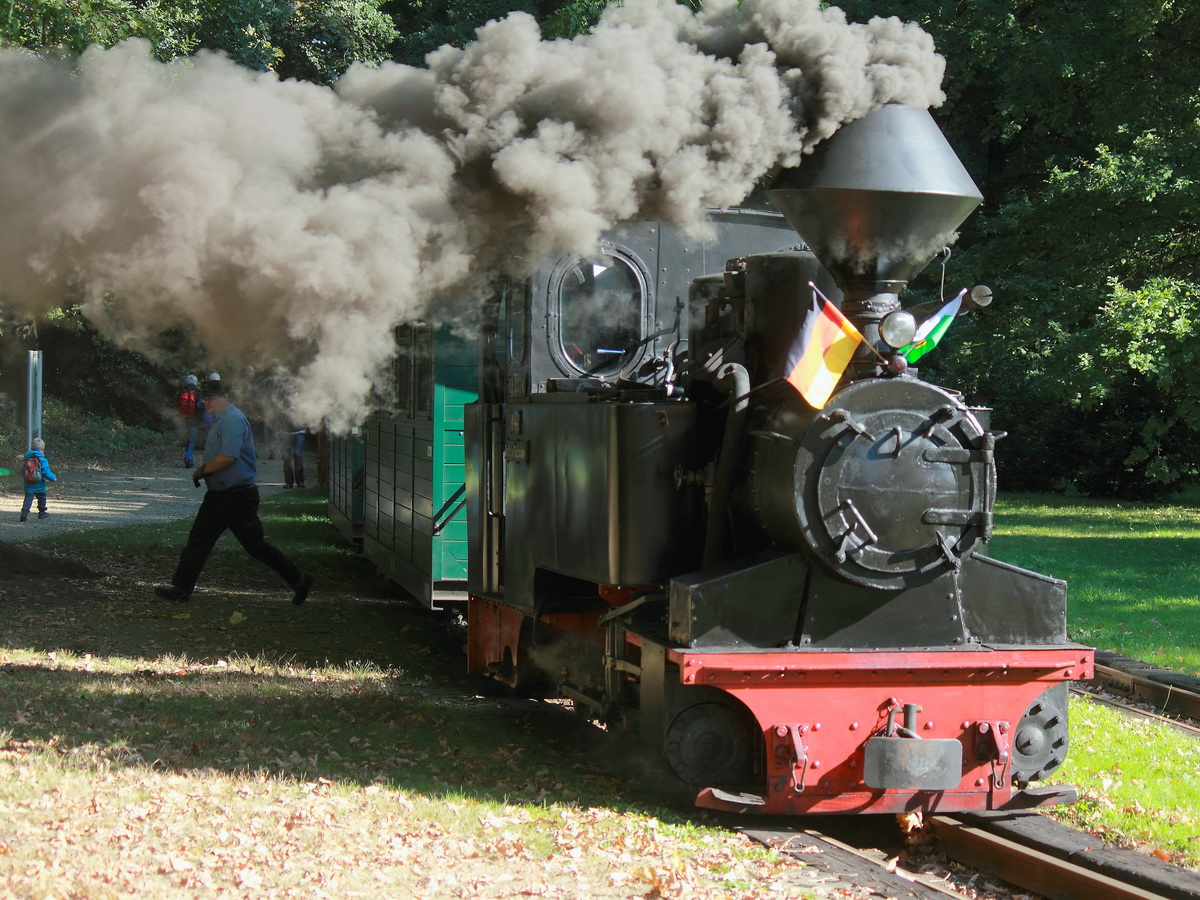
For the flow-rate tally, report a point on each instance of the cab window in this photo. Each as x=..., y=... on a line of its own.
x=601, y=300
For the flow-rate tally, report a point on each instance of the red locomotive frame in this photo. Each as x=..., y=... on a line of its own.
x=818, y=709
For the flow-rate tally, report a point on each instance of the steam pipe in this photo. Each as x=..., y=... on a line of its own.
x=735, y=381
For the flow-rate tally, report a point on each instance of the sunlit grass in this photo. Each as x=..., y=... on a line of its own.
x=168, y=777
x=1138, y=780
x=269, y=772
x=1133, y=570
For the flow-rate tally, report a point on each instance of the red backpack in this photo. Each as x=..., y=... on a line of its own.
x=33, y=470
x=187, y=404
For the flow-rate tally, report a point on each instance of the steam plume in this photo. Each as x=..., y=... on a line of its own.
x=287, y=222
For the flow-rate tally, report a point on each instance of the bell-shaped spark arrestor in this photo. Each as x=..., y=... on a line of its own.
x=876, y=201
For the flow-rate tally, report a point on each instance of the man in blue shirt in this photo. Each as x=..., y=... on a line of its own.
x=229, y=469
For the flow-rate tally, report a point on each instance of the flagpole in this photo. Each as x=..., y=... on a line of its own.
x=817, y=292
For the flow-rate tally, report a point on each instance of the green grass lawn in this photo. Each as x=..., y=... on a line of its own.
x=1134, y=587
x=1133, y=570
x=1138, y=780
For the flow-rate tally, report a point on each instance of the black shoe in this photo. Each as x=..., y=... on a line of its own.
x=170, y=592
x=43, y=514
x=303, y=586
x=24, y=517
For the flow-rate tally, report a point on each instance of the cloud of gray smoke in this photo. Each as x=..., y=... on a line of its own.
x=287, y=222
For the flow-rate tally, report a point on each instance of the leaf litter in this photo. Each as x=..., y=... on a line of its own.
x=239, y=746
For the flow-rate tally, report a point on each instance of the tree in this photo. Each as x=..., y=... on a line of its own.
x=71, y=25
x=425, y=25
x=315, y=40
x=1088, y=233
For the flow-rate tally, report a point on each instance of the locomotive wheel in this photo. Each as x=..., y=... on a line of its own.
x=1040, y=742
x=711, y=744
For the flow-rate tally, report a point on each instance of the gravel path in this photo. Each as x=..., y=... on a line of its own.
x=89, y=498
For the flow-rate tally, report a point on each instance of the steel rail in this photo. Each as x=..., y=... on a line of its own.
x=1124, y=706
x=1028, y=867
x=1164, y=696
x=825, y=858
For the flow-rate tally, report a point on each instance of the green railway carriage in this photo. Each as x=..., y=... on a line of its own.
x=396, y=483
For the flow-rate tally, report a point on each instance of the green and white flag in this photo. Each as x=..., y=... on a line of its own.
x=932, y=329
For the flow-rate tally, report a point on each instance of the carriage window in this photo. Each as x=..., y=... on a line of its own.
x=600, y=313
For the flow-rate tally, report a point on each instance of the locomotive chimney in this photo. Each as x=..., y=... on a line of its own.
x=875, y=202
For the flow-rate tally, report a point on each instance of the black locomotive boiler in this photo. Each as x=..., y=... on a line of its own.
x=792, y=606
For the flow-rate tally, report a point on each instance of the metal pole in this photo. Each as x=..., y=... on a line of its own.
x=33, y=406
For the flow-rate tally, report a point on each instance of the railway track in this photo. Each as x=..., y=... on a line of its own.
x=1028, y=851
x=1168, y=692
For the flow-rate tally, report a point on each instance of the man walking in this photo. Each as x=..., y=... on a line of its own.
x=229, y=469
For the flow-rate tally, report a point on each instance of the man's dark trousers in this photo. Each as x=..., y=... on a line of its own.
x=237, y=510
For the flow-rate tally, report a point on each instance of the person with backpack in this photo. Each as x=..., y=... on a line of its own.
x=190, y=407
x=37, y=473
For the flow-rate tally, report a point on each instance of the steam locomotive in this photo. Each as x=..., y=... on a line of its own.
x=788, y=602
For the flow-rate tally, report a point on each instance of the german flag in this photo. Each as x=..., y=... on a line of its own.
x=821, y=352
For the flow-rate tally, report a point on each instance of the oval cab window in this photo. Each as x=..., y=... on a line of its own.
x=601, y=302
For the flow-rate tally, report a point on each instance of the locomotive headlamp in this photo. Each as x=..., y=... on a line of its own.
x=898, y=328
x=979, y=297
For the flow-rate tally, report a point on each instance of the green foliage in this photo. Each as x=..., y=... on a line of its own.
x=75, y=434
x=573, y=18
x=84, y=368
x=315, y=40
x=425, y=25
x=72, y=25
x=1138, y=385
x=1088, y=234
x=322, y=39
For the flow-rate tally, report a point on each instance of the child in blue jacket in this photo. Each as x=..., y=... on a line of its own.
x=37, y=488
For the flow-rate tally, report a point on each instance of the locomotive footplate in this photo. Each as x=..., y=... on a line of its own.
x=886, y=731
